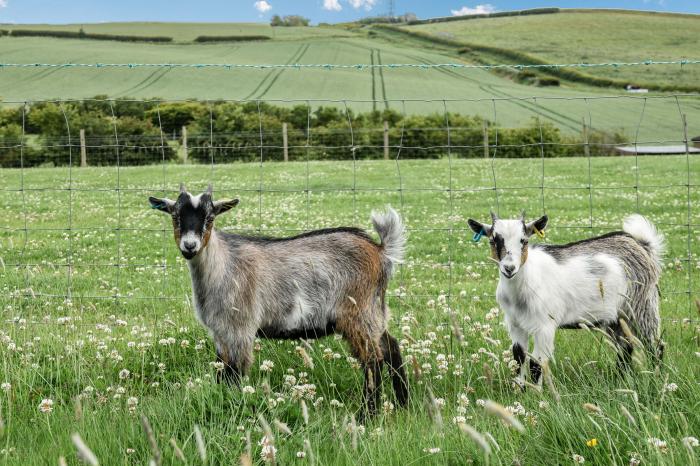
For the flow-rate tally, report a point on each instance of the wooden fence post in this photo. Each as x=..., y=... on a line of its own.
x=487, y=153
x=83, y=149
x=184, y=143
x=586, y=147
x=285, y=142
x=386, y=140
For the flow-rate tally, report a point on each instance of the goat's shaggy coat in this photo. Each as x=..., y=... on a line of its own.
x=307, y=286
x=594, y=282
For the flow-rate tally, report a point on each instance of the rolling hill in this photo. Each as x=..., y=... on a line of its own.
x=590, y=36
x=494, y=96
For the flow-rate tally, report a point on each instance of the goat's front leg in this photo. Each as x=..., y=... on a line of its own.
x=520, y=340
x=237, y=355
x=542, y=352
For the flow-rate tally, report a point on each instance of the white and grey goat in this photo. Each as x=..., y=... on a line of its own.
x=307, y=286
x=594, y=282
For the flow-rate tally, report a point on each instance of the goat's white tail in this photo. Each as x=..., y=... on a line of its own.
x=646, y=234
x=391, y=233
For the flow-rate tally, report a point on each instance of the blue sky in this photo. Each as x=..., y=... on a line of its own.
x=84, y=11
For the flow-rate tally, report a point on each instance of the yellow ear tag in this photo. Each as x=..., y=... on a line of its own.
x=540, y=233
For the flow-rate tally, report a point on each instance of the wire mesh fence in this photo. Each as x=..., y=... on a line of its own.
x=81, y=238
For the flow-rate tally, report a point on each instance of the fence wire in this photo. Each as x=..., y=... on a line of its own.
x=24, y=285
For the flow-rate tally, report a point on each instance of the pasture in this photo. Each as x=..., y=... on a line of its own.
x=412, y=91
x=609, y=36
x=125, y=343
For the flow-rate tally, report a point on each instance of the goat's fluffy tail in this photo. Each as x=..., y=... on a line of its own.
x=391, y=234
x=646, y=234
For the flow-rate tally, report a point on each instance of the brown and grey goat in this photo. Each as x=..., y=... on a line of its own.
x=306, y=286
x=594, y=282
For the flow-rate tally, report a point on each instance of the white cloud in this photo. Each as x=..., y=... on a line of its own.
x=330, y=5
x=477, y=10
x=3, y=3
x=366, y=4
x=262, y=6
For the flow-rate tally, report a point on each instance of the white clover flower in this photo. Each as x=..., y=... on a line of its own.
x=301, y=454
x=670, y=387
x=248, y=390
x=388, y=407
x=6, y=386
x=690, y=442
x=578, y=459
x=459, y=420
x=124, y=374
x=46, y=405
x=267, y=366
x=658, y=443
x=432, y=451
x=268, y=451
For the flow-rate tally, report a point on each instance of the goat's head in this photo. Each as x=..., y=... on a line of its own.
x=509, y=240
x=193, y=218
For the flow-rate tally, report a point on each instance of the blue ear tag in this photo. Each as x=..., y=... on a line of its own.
x=157, y=206
x=477, y=236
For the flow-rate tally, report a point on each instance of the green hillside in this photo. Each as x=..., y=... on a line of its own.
x=579, y=36
x=477, y=92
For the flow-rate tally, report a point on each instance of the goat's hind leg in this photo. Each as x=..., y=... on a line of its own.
x=624, y=346
x=367, y=348
x=397, y=371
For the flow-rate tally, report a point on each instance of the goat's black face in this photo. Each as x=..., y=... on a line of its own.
x=193, y=219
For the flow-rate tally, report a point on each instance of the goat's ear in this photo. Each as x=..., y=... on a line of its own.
x=538, y=225
x=164, y=204
x=479, y=227
x=224, y=206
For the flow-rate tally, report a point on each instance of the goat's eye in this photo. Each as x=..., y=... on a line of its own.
x=523, y=242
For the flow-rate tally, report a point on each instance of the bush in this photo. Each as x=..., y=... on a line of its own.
x=231, y=132
x=231, y=38
x=83, y=35
x=291, y=20
x=547, y=81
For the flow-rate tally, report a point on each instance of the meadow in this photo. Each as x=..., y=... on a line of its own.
x=608, y=36
x=125, y=343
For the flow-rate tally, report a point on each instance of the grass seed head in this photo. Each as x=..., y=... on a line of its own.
x=84, y=452
x=201, y=447
x=592, y=408
x=479, y=439
x=499, y=411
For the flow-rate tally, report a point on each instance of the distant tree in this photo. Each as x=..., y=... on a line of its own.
x=290, y=21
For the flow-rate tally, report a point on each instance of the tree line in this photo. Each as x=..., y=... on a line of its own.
x=146, y=132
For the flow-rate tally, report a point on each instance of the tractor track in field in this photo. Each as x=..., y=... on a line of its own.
x=274, y=75
x=146, y=82
x=552, y=115
x=41, y=75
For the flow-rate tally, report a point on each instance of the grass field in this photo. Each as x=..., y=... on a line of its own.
x=137, y=316
x=579, y=36
x=640, y=119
